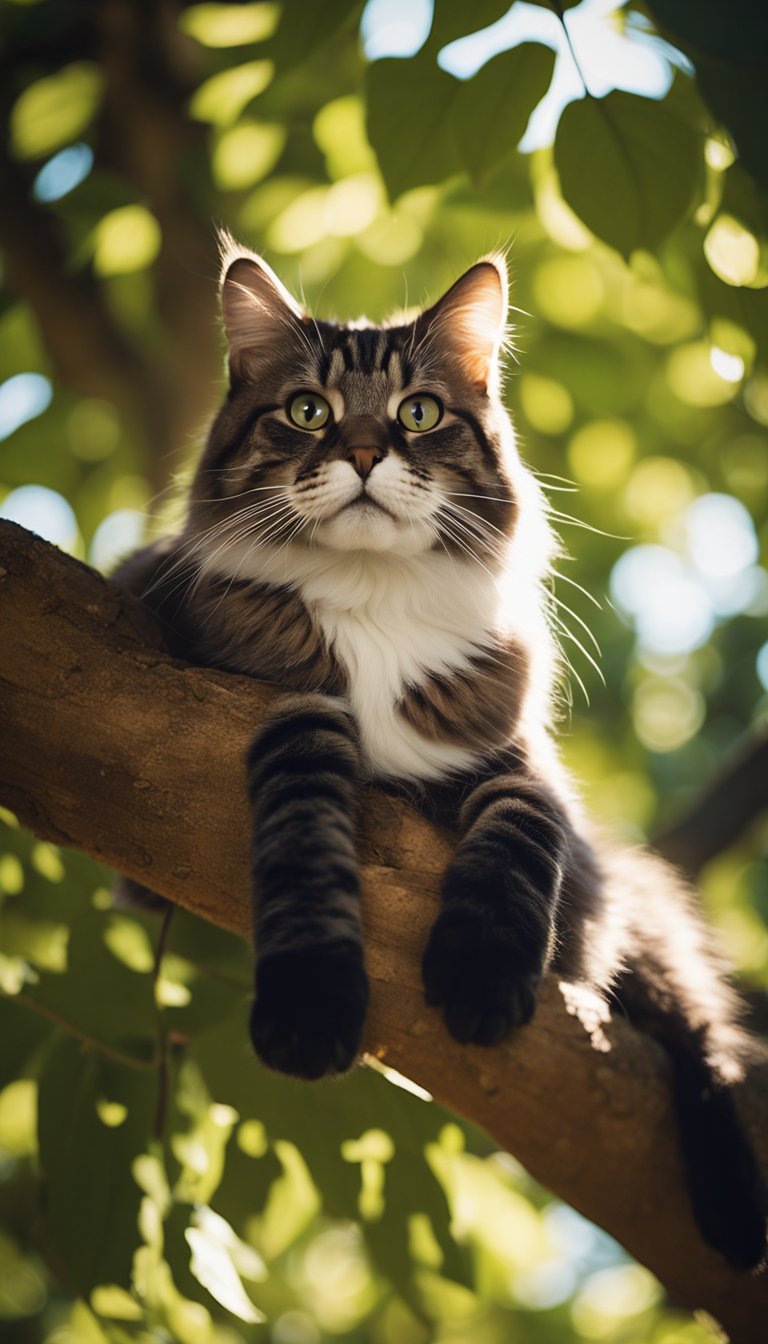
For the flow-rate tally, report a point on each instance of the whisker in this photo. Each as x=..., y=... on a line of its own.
x=553, y=598
x=568, y=634
x=576, y=522
x=574, y=584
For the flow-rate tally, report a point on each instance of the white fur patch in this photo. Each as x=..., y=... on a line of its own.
x=392, y=621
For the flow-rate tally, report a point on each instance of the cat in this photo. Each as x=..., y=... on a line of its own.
x=361, y=531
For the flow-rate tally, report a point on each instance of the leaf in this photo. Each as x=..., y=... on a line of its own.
x=730, y=32
x=628, y=167
x=92, y=1200
x=455, y=18
x=340, y=1110
x=492, y=109
x=738, y=97
x=22, y=1034
x=304, y=28
x=410, y=122
x=426, y=126
x=99, y=998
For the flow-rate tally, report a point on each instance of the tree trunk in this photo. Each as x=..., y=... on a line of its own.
x=110, y=746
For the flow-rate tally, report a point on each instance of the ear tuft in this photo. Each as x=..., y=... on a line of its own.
x=257, y=309
x=470, y=319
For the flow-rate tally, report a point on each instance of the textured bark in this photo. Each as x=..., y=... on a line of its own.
x=109, y=746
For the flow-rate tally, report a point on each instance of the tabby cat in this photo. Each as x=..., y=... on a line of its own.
x=361, y=531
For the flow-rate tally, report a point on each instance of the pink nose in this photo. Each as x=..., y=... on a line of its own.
x=363, y=460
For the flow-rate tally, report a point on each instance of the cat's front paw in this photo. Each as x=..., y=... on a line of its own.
x=474, y=972
x=308, y=1015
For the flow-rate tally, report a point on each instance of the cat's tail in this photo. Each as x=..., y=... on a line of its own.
x=675, y=988
x=728, y=1195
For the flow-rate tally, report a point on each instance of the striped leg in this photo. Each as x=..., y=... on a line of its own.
x=311, y=986
x=495, y=934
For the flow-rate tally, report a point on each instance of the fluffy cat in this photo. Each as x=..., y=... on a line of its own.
x=361, y=531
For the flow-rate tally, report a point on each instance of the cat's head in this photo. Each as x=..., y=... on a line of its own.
x=357, y=437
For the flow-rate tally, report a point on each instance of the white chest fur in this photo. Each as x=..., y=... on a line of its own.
x=391, y=621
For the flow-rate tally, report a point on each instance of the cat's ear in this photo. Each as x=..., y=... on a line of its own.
x=470, y=320
x=259, y=314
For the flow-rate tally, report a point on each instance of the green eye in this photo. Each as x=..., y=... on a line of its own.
x=419, y=413
x=309, y=411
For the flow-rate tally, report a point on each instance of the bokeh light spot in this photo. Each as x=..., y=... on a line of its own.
x=224, y=96
x=720, y=535
x=395, y=27
x=658, y=489
x=22, y=398
x=61, y=174
x=126, y=240
x=601, y=453
x=339, y=131
x=569, y=291
x=732, y=251
x=54, y=110
x=120, y=533
x=18, y=1118
x=352, y=204
x=671, y=611
x=392, y=239
x=729, y=367
x=93, y=429
x=246, y=154
x=694, y=378
x=43, y=511
x=230, y=25
x=666, y=712
x=546, y=404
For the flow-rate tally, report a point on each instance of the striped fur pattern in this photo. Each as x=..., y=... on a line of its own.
x=362, y=532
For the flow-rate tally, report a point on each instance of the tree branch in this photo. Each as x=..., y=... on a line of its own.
x=110, y=746
x=729, y=804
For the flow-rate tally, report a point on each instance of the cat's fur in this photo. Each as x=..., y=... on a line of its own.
x=394, y=583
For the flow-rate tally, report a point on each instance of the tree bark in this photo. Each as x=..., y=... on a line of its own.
x=110, y=746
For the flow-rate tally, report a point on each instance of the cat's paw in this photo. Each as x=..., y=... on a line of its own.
x=308, y=1015
x=472, y=971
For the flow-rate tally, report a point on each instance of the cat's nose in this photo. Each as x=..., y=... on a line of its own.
x=364, y=459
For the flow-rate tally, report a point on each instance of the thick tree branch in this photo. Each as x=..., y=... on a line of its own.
x=110, y=746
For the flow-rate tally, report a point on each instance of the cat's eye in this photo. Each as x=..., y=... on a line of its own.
x=420, y=412
x=309, y=411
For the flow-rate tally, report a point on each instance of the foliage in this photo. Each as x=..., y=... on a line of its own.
x=155, y=1183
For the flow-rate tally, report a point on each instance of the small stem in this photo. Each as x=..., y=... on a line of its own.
x=162, y=1036
x=98, y=1047
x=559, y=11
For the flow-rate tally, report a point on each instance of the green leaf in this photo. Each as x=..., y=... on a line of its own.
x=728, y=45
x=304, y=28
x=552, y=6
x=738, y=97
x=410, y=122
x=737, y=32
x=426, y=126
x=627, y=167
x=492, y=109
x=340, y=1110
x=99, y=998
x=92, y=1200
x=455, y=18
x=22, y=1034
